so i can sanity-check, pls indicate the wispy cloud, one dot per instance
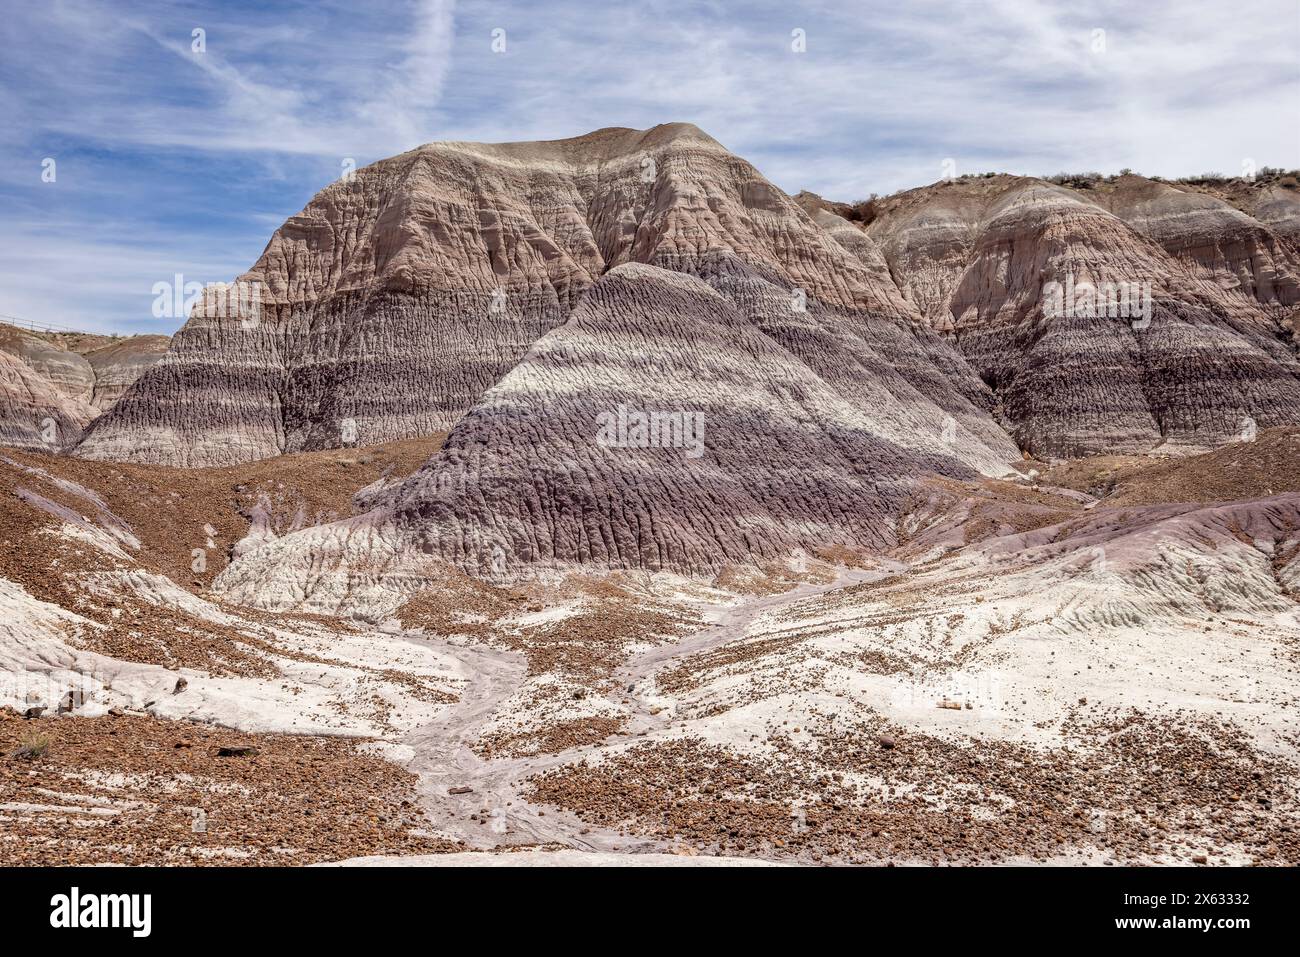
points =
(170, 157)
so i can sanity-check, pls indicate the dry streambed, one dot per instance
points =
(483, 801)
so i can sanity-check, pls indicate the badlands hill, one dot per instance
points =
(518, 295)
(1214, 353)
(397, 298)
(53, 384)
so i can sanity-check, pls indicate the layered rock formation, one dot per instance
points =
(1278, 208)
(397, 298)
(68, 377)
(65, 369)
(1219, 242)
(1272, 199)
(84, 367)
(515, 293)
(1099, 334)
(118, 362)
(34, 414)
(659, 428)
(927, 236)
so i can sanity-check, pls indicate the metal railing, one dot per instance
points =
(34, 326)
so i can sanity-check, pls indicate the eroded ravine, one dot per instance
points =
(493, 812)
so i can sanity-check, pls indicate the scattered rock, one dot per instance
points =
(236, 751)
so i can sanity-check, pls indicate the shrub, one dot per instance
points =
(34, 746)
(864, 211)
(1076, 180)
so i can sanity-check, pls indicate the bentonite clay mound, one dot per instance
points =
(659, 429)
(65, 369)
(1209, 359)
(1278, 208)
(117, 363)
(68, 379)
(743, 453)
(398, 297)
(34, 414)
(1220, 243)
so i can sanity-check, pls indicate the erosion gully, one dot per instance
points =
(445, 760)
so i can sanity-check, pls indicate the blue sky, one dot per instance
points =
(169, 160)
